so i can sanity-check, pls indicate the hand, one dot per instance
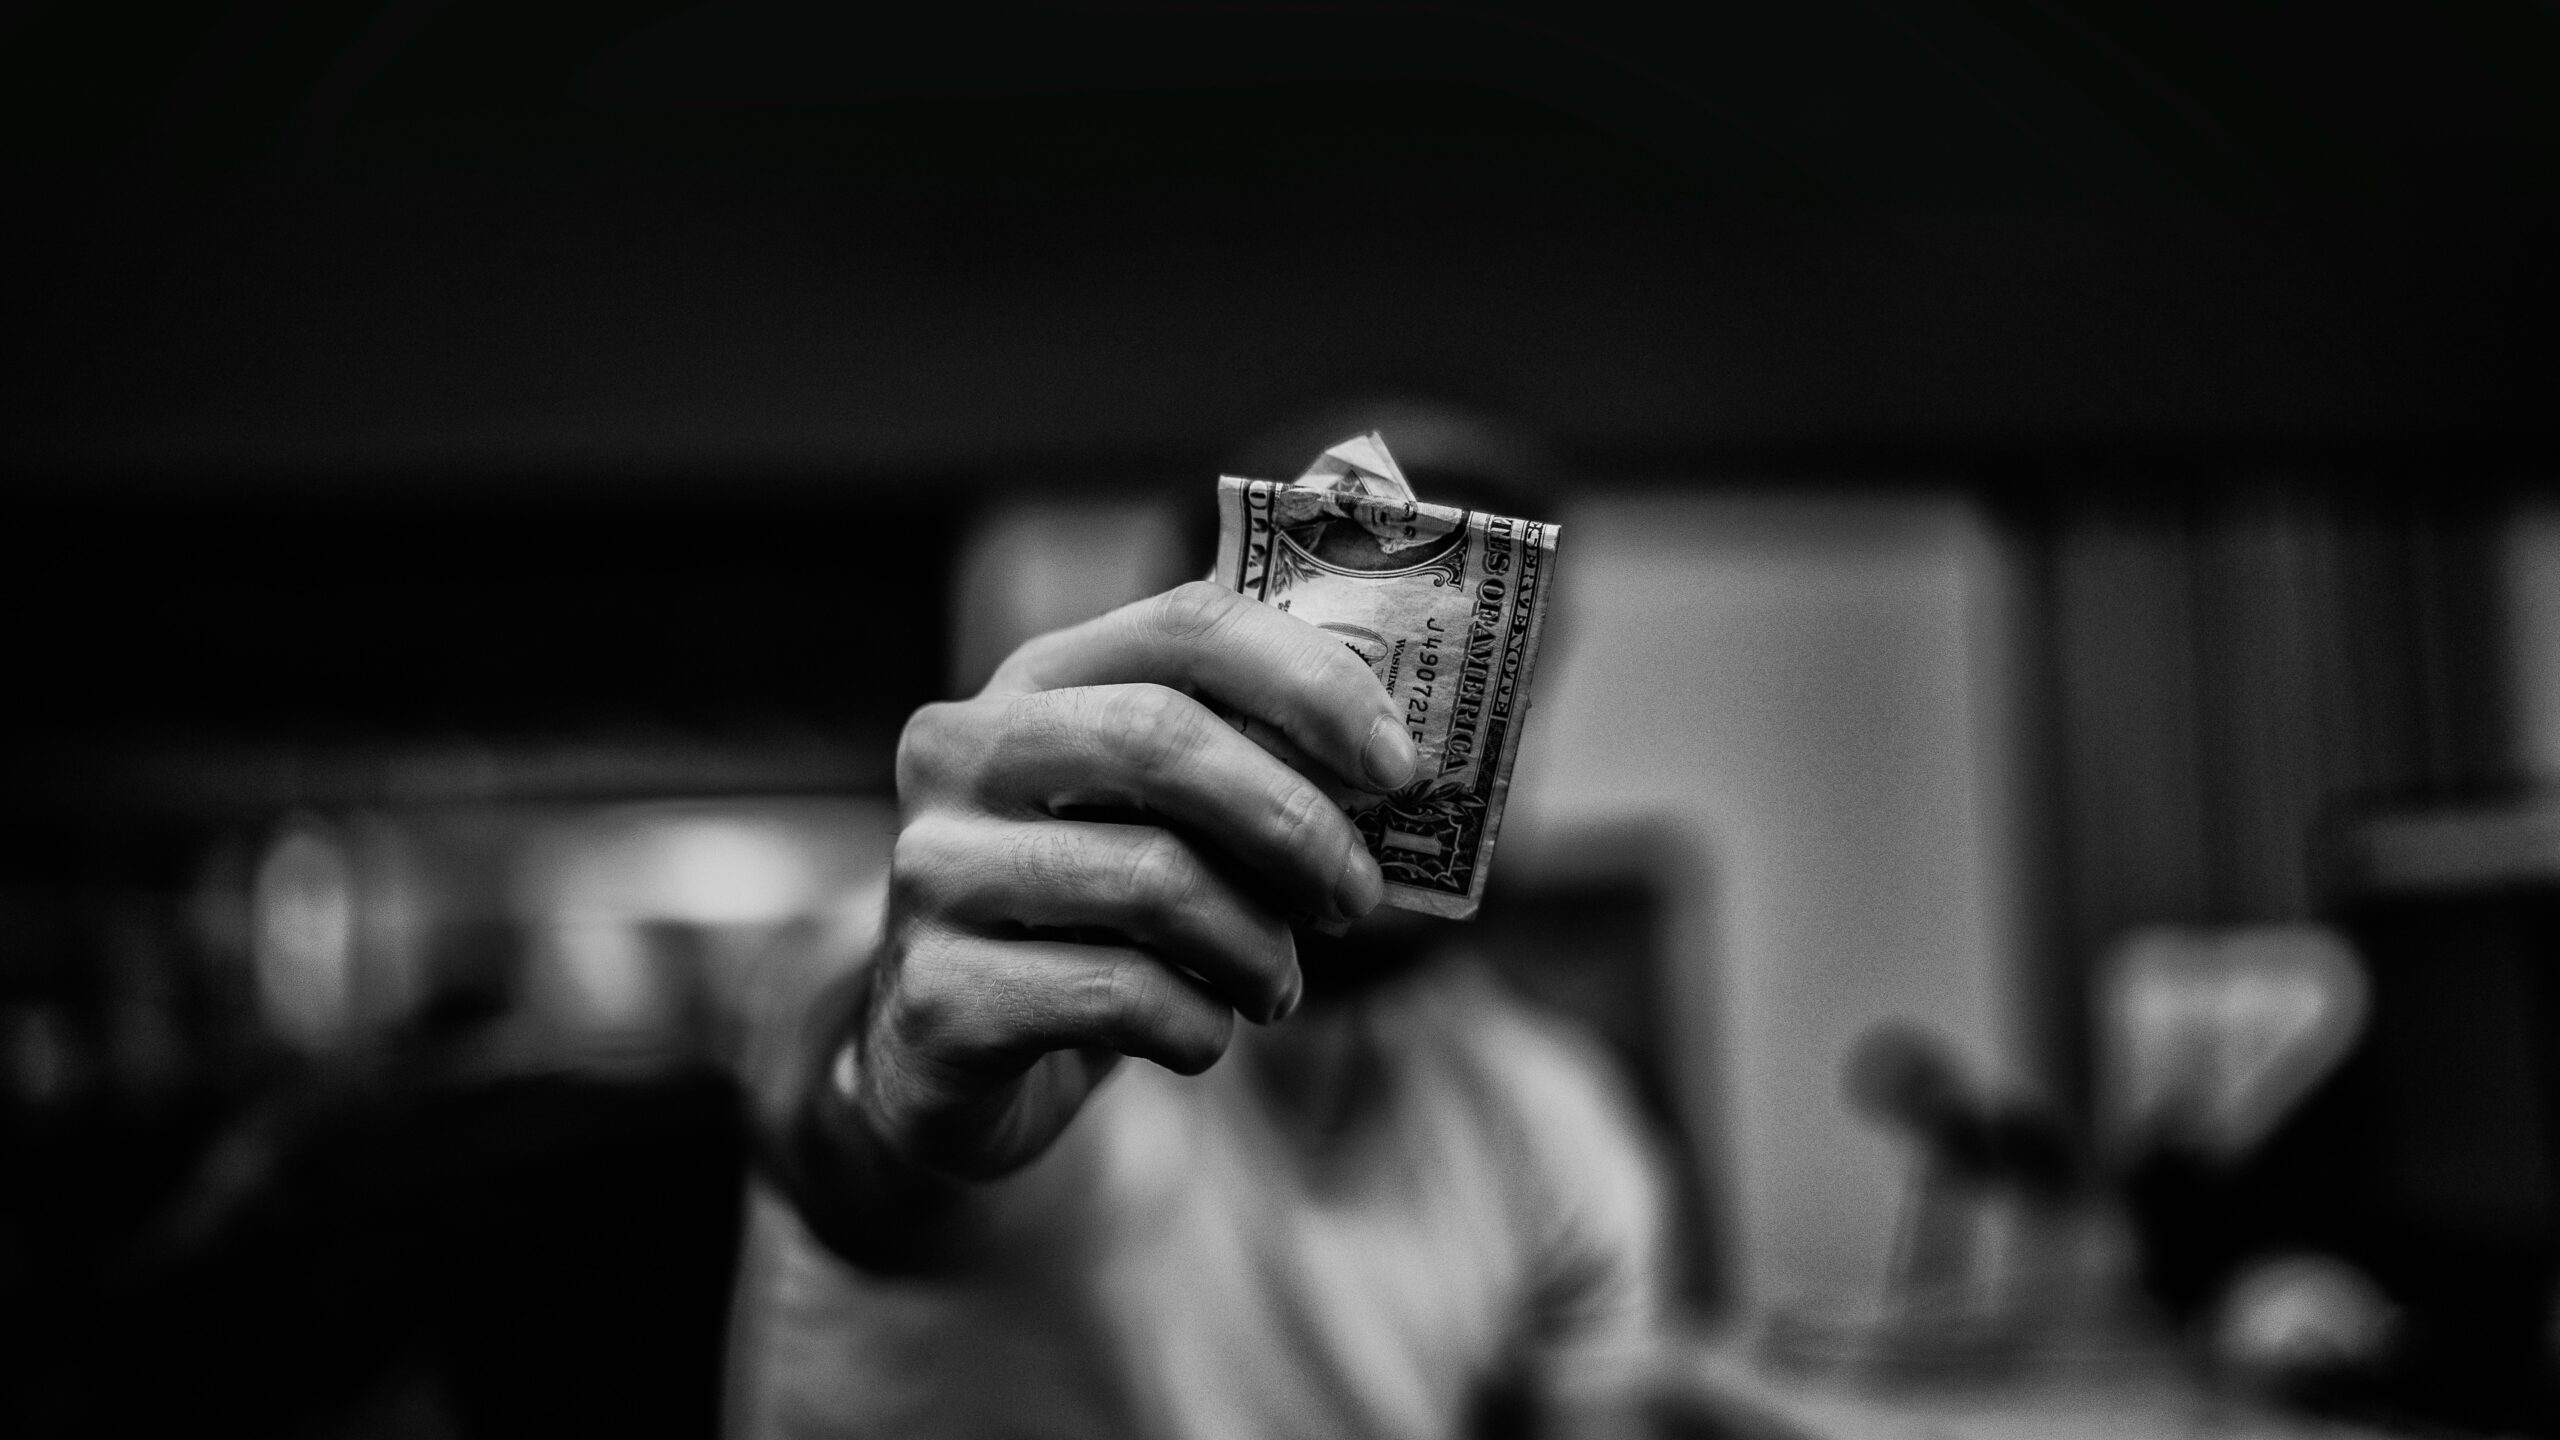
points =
(1092, 864)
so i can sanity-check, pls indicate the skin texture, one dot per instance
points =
(1093, 863)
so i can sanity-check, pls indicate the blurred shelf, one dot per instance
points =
(2125, 1396)
(217, 780)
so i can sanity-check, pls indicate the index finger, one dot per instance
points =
(1264, 662)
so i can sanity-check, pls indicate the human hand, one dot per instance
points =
(1092, 864)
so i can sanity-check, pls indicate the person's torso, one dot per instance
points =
(1179, 1266)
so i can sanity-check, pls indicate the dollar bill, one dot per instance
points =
(1445, 606)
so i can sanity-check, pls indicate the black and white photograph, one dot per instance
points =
(1280, 719)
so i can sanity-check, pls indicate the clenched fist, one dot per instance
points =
(1093, 863)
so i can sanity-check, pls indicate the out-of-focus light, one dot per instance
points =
(727, 864)
(606, 984)
(1037, 564)
(303, 936)
(2301, 1314)
(651, 923)
(41, 1057)
(726, 872)
(2212, 1037)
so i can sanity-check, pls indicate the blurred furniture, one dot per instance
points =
(2428, 1159)
(2132, 1398)
(532, 1256)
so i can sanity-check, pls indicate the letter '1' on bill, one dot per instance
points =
(1445, 606)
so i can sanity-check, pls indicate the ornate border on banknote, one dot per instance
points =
(1448, 613)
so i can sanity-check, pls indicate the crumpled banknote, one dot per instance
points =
(1445, 606)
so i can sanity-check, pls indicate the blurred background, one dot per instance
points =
(2061, 564)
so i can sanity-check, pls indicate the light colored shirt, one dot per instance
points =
(1179, 1266)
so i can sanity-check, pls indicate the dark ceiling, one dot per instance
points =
(1814, 102)
(476, 239)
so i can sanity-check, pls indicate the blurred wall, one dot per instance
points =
(1812, 690)
(1032, 565)
(2532, 586)
(686, 331)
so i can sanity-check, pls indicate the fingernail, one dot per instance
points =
(1389, 756)
(1288, 1005)
(1360, 887)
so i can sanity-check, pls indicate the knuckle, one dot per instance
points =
(1195, 610)
(1031, 863)
(1026, 719)
(1155, 726)
(1144, 1011)
(920, 860)
(932, 988)
(928, 747)
(917, 850)
(1303, 821)
(1160, 880)
(1125, 1008)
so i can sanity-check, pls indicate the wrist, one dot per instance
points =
(857, 1191)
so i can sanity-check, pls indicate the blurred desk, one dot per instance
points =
(2125, 1399)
